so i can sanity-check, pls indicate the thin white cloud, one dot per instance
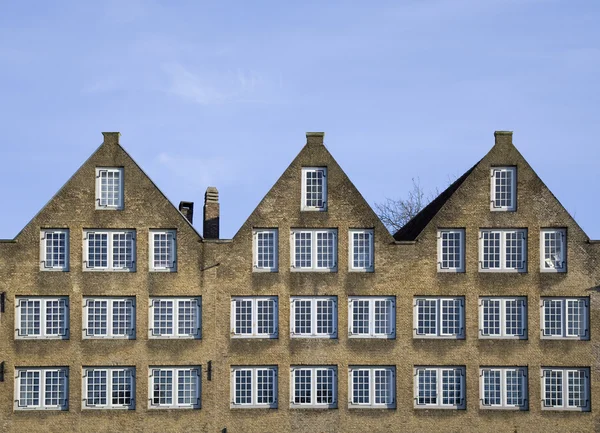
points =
(200, 172)
(192, 87)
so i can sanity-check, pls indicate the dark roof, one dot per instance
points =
(416, 224)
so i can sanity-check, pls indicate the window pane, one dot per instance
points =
(325, 386)
(97, 387)
(187, 317)
(491, 250)
(122, 317)
(265, 249)
(122, 250)
(427, 386)
(553, 317)
(503, 188)
(55, 317)
(451, 387)
(265, 316)
(121, 387)
(97, 313)
(303, 319)
(186, 387)
(97, 250)
(514, 388)
(426, 316)
(553, 388)
(360, 386)
(491, 317)
(514, 250)
(56, 249)
(492, 392)
(383, 316)
(451, 311)
(314, 188)
(514, 316)
(451, 250)
(303, 249)
(243, 387)
(55, 388)
(553, 249)
(576, 388)
(302, 386)
(384, 387)
(325, 316)
(325, 250)
(576, 317)
(29, 388)
(360, 316)
(163, 317)
(361, 250)
(162, 383)
(265, 386)
(30, 317)
(163, 250)
(243, 316)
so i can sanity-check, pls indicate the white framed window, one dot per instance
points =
(440, 387)
(109, 250)
(45, 388)
(254, 317)
(253, 387)
(313, 317)
(265, 251)
(360, 250)
(371, 317)
(372, 387)
(108, 388)
(439, 317)
(314, 188)
(504, 189)
(503, 250)
(314, 250)
(313, 387)
(565, 318)
(175, 318)
(174, 387)
(503, 388)
(553, 250)
(451, 250)
(503, 317)
(42, 317)
(109, 318)
(566, 388)
(54, 250)
(163, 250)
(109, 188)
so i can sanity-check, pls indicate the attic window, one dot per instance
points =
(109, 188)
(314, 188)
(504, 189)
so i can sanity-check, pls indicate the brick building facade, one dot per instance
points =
(480, 314)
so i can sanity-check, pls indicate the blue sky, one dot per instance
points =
(221, 93)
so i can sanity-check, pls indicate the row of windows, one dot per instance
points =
(441, 387)
(108, 250)
(317, 317)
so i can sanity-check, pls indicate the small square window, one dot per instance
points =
(504, 189)
(360, 250)
(314, 317)
(108, 388)
(174, 387)
(313, 387)
(436, 317)
(503, 318)
(175, 318)
(313, 250)
(265, 254)
(372, 317)
(54, 250)
(42, 388)
(109, 250)
(566, 389)
(439, 387)
(109, 188)
(553, 250)
(254, 317)
(565, 318)
(451, 250)
(314, 188)
(42, 318)
(372, 387)
(503, 388)
(109, 318)
(253, 387)
(503, 250)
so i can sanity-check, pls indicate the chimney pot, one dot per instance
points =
(503, 137)
(111, 137)
(315, 138)
(211, 213)
(187, 209)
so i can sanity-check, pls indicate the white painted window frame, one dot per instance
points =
(172, 239)
(43, 300)
(548, 265)
(303, 205)
(255, 235)
(43, 250)
(440, 246)
(109, 388)
(109, 250)
(564, 318)
(99, 171)
(313, 250)
(313, 387)
(254, 387)
(371, 252)
(522, 371)
(439, 334)
(439, 388)
(503, 300)
(565, 388)
(372, 333)
(254, 300)
(391, 370)
(197, 370)
(513, 206)
(175, 321)
(19, 371)
(109, 318)
(503, 267)
(313, 311)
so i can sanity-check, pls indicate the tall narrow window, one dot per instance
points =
(436, 317)
(265, 250)
(109, 188)
(42, 388)
(504, 189)
(371, 317)
(108, 388)
(503, 317)
(163, 250)
(314, 250)
(372, 387)
(553, 250)
(360, 250)
(254, 387)
(254, 317)
(566, 388)
(109, 250)
(503, 388)
(314, 188)
(503, 250)
(565, 318)
(313, 387)
(440, 387)
(42, 317)
(174, 387)
(54, 250)
(109, 318)
(451, 250)
(175, 318)
(314, 317)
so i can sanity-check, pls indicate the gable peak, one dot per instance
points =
(111, 138)
(315, 138)
(503, 138)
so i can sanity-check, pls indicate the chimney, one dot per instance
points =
(187, 209)
(503, 137)
(211, 213)
(315, 138)
(111, 138)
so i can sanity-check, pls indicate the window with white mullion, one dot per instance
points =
(360, 250)
(108, 388)
(503, 189)
(451, 250)
(254, 387)
(174, 387)
(54, 250)
(313, 317)
(163, 251)
(254, 317)
(109, 188)
(566, 388)
(265, 250)
(502, 317)
(109, 250)
(503, 250)
(565, 318)
(438, 317)
(41, 388)
(314, 188)
(313, 387)
(42, 317)
(372, 387)
(371, 317)
(314, 250)
(175, 318)
(553, 250)
(503, 388)
(439, 387)
(109, 318)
